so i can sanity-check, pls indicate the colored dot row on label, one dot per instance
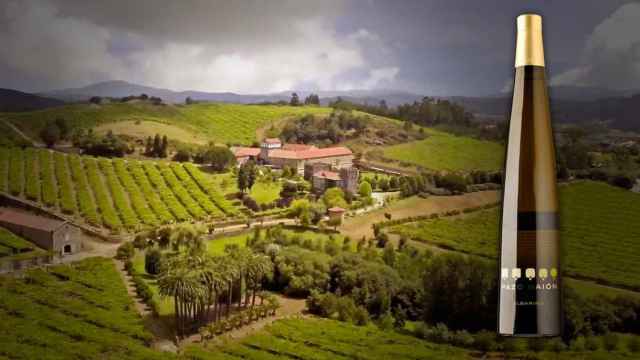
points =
(529, 273)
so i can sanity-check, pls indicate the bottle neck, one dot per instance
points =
(529, 48)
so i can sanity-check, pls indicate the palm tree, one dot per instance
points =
(259, 266)
(185, 286)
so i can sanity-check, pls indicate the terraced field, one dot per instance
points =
(116, 194)
(444, 151)
(80, 311)
(222, 123)
(599, 230)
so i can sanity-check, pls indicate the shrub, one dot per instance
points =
(125, 251)
(514, 345)
(361, 316)
(536, 344)
(578, 344)
(556, 345)
(591, 343)
(462, 338)
(152, 261)
(386, 322)
(611, 341)
(485, 341)
(634, 344)
(452, 182)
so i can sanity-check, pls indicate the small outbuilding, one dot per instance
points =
(336, 213)
(56, 235)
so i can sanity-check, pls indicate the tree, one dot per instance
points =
(335, 222)
(312, 99)
(301, 209)
(219, 158)
(365, 189)
(152, 261)
(164, 147)
(247, 175)
(334, 197)
(63, 126)
(50, 134)
(295, 101)
(182, 155)
(188, 100)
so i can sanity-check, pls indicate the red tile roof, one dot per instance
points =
(246, 151)
(26, 219)
(272, 141)
(297, 147)
(327, 175)
(313, 153)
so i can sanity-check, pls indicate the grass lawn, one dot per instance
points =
(216, 246)
(79, 311)
(599, 232)
(144, 129)
(444, 151)
(266, 192)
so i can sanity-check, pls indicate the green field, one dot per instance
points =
(265, 192)
(222, 123)
(71, 312)
(599, 232)
(116, 194)
(444, 151)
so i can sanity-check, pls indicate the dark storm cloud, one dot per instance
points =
(430, 47)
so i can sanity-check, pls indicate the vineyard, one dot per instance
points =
(222, 123)
(327, 339)
(14, 246)
(71, 312)
(116, 194)
(444, 151)
(599, 232)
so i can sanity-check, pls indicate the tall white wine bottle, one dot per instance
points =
(530, 297)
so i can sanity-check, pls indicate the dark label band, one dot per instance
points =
(532, 221)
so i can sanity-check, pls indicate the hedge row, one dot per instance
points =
(86, 203)
(411, 219)
(110, 218)
(16, 171)
(180, 192)
(32, 189)
(135, 195)
(210, 189)
(195, 191)
(65, 187)
(118, 195)
(4, 168)
(156, 204)
(179, 212)
(47, 179)
(142, 288)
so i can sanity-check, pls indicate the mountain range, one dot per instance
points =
(568, 103)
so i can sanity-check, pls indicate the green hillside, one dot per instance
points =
(222, 123)
(117, 194)
(444, 151)
(599, 230)
(71, 312)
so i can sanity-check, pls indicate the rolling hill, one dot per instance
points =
(222, 123)
(13, 100)
(599, 233)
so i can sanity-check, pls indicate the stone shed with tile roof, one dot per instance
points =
(56, 235)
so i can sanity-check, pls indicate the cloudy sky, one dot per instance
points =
(426, 47)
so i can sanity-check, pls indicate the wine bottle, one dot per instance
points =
(530, 296)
